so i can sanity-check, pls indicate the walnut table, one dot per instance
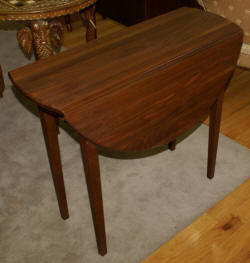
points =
(40, 27)
(132, 91)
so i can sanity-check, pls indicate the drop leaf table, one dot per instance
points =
(135, 90)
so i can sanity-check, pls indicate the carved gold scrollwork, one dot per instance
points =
(41, 38)
(24, 37)
(43, 34)
(56, 33)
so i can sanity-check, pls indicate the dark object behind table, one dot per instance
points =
(130, 12)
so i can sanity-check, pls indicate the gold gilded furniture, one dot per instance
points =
(40, 27)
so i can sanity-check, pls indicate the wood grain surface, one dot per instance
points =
(179, 62)
(235, 121)
(220, 235)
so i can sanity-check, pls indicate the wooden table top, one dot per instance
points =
(141, 87)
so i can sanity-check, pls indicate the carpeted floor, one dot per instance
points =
(147, 200)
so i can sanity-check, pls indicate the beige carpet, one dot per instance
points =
(147, 201)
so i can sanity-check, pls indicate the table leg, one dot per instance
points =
(50, 136)
(89, 15)
(93, 180)
(214, 130)
(2, 86)
(68, 23)
(41, 38)
(172, 145)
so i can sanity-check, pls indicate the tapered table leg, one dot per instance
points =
(50, 135)
(2, 86)
(93, 180)
(214, 129)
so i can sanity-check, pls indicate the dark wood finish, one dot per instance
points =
(139, 88)
(93, 180)
(2, 86)
(130, 12)
(172, 57)
(172, 145)
(214, 130)
(50, 136)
